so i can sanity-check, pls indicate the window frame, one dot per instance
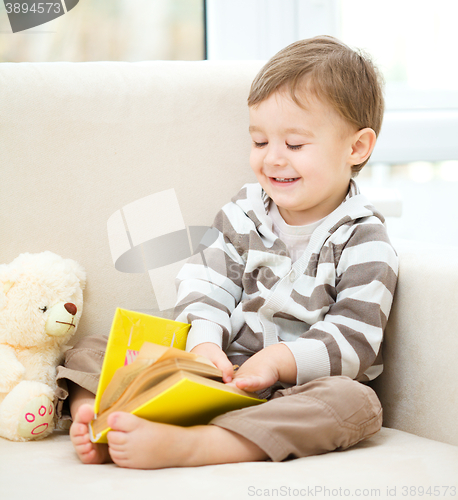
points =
(425, 129)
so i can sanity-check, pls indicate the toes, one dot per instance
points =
(89, 456)
(125, 422)
(117, 456)
(116, 439)
(85, 448)
(85, 414)
(80, 439)
(77, 430)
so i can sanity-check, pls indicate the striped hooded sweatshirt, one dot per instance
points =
(330, 306)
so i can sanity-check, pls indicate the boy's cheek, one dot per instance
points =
(255, 162)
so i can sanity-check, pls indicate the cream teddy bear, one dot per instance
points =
(41, 301)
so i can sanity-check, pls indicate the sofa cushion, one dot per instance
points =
(383, 465)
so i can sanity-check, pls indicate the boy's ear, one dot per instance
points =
(363, 145)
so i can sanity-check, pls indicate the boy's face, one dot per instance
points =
(301, 157)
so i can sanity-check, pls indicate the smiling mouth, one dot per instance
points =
(285, 180)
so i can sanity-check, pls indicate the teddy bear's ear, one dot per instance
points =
(80, 273)
(7, 286)
(8, 278)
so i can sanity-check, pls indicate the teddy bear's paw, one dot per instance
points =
(37, 418)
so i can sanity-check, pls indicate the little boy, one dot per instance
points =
(296, 289)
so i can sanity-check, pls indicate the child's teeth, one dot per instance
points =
(281, 179)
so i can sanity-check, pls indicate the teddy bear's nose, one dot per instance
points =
(71, 308)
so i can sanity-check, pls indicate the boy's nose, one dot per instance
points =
(274, 157)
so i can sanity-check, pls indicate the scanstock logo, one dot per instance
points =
(27, 14)
(150, 236)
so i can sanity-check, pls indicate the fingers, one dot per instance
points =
(222, 362)
(226, 367)
(249, 384)
(218, 357)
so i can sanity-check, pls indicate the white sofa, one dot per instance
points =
(81, 141)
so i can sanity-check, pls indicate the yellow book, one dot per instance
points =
(163, 384)
(129, 330)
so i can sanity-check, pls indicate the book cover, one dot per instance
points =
(129, 331)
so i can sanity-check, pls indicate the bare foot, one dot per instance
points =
(138, 443)
(88, 452)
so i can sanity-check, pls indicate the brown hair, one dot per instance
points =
(344, 78)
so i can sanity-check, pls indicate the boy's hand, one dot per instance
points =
(218, 357)
(255, 375)
(266, 367)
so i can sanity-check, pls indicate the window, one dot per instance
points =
(110, 30)
(414, 44)
(412, 41)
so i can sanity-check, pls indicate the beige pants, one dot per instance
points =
(326, 414)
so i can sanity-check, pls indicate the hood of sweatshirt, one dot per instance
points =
(255, 202)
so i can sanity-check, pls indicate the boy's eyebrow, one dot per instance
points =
(299, 131)
(293, 130)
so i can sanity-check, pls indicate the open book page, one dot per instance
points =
(153, 364)
(183, 398)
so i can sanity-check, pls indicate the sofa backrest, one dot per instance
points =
(418, 387)
(82, 143)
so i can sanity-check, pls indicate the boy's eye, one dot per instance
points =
(259, 144)
(294, 146)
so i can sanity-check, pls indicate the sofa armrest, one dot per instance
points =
(418, 387)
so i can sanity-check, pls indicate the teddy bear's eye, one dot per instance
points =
(44, 309)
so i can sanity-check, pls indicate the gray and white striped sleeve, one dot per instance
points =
(348, 340)
(209, 286)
